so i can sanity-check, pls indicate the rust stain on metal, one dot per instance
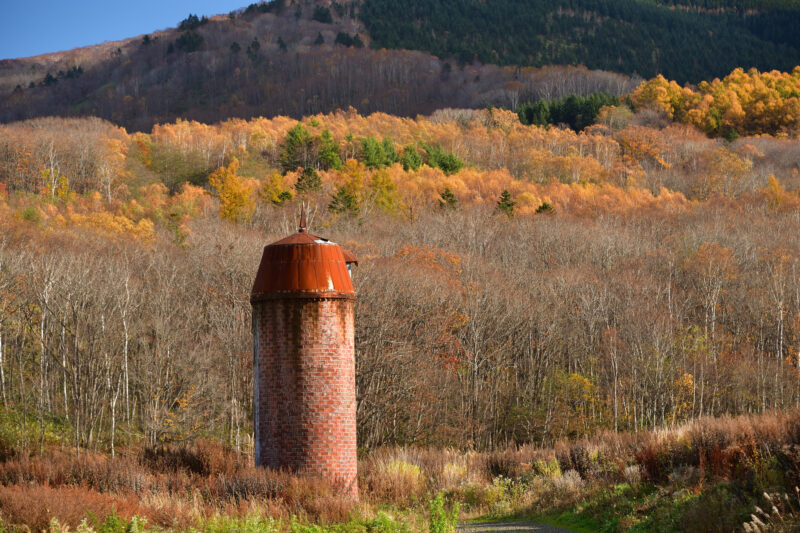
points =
(304, 266)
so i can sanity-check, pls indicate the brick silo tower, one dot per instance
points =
(304, 402)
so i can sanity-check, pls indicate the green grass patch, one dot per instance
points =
(651, 509)
(382, 523)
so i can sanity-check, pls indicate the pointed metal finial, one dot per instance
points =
(302, 218)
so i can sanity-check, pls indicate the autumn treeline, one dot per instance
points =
(639, 275)
(742, 103)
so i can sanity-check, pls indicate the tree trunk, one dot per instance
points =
(114, 415)
(2, 372)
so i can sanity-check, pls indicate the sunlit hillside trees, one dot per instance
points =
(741, 103)
(516, 283)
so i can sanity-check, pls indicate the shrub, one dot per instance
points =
(31, 214)
(502, 464)
(570, 482)
(718, 509)
(632, 474)
(384, 523)
(549, 469)
(36, 506)
(442, 521)
(393, 479)
(453, 474)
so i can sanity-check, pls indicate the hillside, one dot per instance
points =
(685, 40)
(267, 61)
(298, 58)
(505, 268)
(293, 58)
(517, 286)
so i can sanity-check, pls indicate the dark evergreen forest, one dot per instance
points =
(686, 40)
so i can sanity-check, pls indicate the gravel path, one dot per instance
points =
(508, 527)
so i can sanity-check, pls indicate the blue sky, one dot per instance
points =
(32, 27)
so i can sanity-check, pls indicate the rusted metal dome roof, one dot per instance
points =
(303, 266)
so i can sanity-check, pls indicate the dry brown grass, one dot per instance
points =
(35, 505)
(170, 486)
(180, 485)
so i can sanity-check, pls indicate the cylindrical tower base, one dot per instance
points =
(305, 404)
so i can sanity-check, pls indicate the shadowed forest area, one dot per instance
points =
(518, 286)
(685, 40)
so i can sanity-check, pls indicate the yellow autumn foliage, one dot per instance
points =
(742, 103)
(234, 193)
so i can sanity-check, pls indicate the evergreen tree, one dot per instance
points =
(411, 158)
(537, 113)
(371, 152)
(683, 44)
(189, 23)
(189, 41)
(344, 202)
(253, 48)
(447, 161)
(322, 14)
(319, 40)
(448, 200)
(296, 148)
(309, 180)
(389, 152)
(343, 39)
(328, 151)
(505, 204)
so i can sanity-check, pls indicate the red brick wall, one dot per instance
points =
(305, 390)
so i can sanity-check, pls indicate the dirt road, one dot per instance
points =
(508, 527)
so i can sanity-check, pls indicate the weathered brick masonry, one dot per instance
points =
(304, 360)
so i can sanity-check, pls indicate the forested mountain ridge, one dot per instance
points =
(685, 40)
(268, 59)
(304, 57)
